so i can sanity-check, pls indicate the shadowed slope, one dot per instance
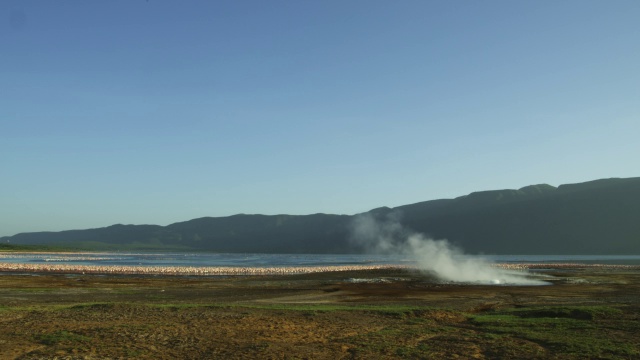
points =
(596, 217)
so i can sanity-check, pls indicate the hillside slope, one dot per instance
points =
(596, 217)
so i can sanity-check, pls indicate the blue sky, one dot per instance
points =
(152, 112)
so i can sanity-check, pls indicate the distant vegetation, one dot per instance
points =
(596, 217)
(30, 248)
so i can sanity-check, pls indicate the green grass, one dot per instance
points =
(61, 337)
(33, 290)
(571, 312)
(412, 341)
(56, 307)
(386, 309)
(576, 332)
(91, 306)
(414, 332)
(580, 331)
(411, 313)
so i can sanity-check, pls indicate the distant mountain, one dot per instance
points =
(596, 217)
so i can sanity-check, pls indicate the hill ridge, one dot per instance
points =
(599, 216)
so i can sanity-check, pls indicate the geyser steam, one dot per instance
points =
(437, 257)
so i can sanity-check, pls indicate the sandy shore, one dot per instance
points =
(253, 271)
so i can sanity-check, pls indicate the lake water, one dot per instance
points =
(280, 260)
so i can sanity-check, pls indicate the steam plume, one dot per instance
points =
(437, 257)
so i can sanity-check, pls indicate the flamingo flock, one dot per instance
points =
(256, 271)
(184, 270)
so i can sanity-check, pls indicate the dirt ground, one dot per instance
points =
(387, 314)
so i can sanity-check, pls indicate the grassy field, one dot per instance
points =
(383, 315)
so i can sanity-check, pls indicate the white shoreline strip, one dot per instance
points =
(254, 271)
(184, 270)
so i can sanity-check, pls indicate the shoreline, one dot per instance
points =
(186, 270)
(263, 271)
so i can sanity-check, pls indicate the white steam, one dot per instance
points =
(437, 257)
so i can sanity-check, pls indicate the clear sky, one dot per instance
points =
(153, 112)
